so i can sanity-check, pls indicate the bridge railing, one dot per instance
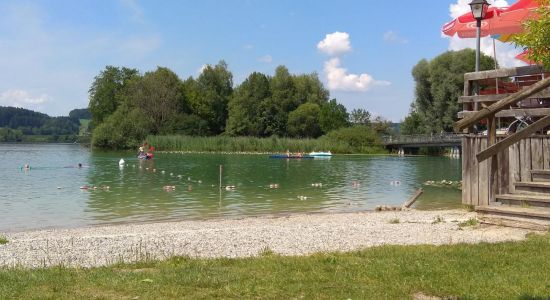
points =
(421, 138)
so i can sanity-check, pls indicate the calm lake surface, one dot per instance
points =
(50, 194)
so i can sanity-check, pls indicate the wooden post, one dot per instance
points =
(493, 169)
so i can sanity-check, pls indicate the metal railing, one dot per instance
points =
(436, 138)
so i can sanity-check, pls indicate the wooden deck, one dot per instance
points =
(507, 177)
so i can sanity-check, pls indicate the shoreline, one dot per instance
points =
(296, 234)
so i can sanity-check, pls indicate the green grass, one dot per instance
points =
(394, 221)
(3, 240)
(255, 145)
(469, 222)
(84, 124)
(512, 270)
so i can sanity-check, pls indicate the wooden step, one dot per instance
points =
(523, 200)
(519, 217)
(540, 175)
(533, 187)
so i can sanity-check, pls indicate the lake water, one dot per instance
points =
(50, 195)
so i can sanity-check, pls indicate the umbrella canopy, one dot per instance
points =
(524, 57)
(498, 21)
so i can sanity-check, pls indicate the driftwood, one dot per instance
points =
(412, 199)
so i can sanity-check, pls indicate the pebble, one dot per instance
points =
(299, 234)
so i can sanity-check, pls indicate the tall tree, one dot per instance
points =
(214, 87)
(105, 91)
(439, 84)
(245, 106)
(159, 95)
(360, 116)
(333, 116)
(304, 121)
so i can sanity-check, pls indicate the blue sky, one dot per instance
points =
(363, 51)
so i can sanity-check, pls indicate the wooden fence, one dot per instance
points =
(515, 165)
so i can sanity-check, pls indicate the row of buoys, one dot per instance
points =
(395, 182)
(86, 187)
(318, 184)
(455, 153)
(273, 185)
(302, 198)
(169, 188)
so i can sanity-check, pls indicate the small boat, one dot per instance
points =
(290, 156)
(320, 154)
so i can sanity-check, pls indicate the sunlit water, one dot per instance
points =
(50, 194)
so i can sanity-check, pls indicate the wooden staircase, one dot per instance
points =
(527, 207)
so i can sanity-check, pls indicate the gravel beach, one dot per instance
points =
(287, 235)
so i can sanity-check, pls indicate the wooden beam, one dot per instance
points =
(500, 105)
(497, 97)
(519, 71)
(520, 112)
(412, 199)
(514, 138)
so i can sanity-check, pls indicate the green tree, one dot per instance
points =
(536, 37)
(245, 106)
(124, 129)
(160, 96)
(360, 116)
(412, 124)
(214, 87)
(307, 88)
(439, 84)
(333, 116)
(304, 121)
(105, 94)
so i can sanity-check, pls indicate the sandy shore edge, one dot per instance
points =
(299, 234)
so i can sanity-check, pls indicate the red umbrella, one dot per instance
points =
(524, 57)
(498, 20)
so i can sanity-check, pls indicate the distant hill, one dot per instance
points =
(16, 123)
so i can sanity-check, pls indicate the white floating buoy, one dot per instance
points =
(121, 162)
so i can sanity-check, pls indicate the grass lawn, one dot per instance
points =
(513, 270)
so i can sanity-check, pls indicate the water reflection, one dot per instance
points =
(50, 195)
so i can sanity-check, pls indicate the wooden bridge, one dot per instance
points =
(423, 140)
(507, 177)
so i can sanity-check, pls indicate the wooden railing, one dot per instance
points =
(488, 112)
(436, 138)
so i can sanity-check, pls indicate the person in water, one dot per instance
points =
(141, 153)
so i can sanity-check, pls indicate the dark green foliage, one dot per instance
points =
(360, 117)
(304, 121)
(357, 139)
(439, 84)
(245, 106)
(22, 121)
(82, 113)
(107, 91)
(333, 116)
(160, 103)
(124, 129)
(10, 135)
(209, 95)
(411, 123)
(159, 95)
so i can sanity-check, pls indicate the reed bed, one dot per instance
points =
(255, 145)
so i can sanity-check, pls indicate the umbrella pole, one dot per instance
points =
(496, 63)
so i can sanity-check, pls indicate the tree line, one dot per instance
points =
(16, 123)
(126, 106)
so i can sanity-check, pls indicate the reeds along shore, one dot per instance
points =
(256, 145)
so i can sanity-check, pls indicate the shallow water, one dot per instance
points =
(50, 194)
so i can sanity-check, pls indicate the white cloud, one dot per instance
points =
(393, 37)
(339, 78)
(335, 43)
(266, 58)
(505, 52)
(248, 47)
(22, 98)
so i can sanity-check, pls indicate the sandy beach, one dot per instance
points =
(286, 235)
